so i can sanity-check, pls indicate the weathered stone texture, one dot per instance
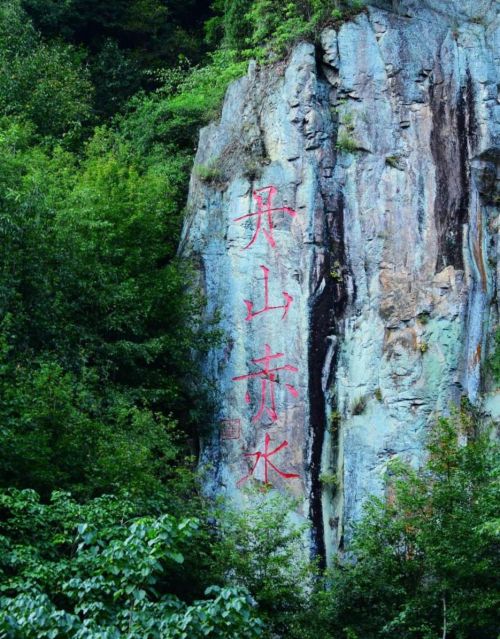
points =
(391, 258)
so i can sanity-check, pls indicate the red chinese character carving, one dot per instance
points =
(230, 428)
(265, 456)
(268, 379)
(288, 300)
(264, 198)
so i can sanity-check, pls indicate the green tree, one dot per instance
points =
(494, 360)
(46, 84)
(95, 319)
(230, 24)
(96, 326)
(426, 560)
(98, 570)
(124, 42)
(263, 549)
(268, 29)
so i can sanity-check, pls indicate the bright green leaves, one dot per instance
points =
(426, 556)
(96, 324)
(263, 549)
(43, 83)
(268, 29)
(112, 576)
(494, 360)
(227, 615)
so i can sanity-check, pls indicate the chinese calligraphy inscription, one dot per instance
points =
(269, 377)
(264, 214)
(267, 462)
(271, 365)
(267, 307)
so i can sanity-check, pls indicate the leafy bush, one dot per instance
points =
(210, 173)
(494, 360)
(175, 112)
(263, 550)
(97, 571)
(96, 330)
(57, 431)
(426, 558)
(268, 29)
(44, 83)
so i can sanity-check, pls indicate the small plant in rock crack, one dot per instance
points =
(359, 404)
(346, 143)
(336, 271)
(478, 19)
(493, 361)
(345, 140)
(423, 347)
(252, 170)
(335, 418)
(423, 318)
(348, 120)
(329, 480)
(210, 173)
(394, 161)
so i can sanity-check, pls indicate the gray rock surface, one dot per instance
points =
(382, 147)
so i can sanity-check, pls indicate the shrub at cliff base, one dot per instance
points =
(426, 560)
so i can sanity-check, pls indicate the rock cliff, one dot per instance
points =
(343, 216)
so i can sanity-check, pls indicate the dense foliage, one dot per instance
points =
(103, 530)
(266, 29)
(494, 360)
(427, 557)
(100, 572)
(262, 550)
(124, 43)
(93, 345)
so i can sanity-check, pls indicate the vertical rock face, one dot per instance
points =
(342, 213)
